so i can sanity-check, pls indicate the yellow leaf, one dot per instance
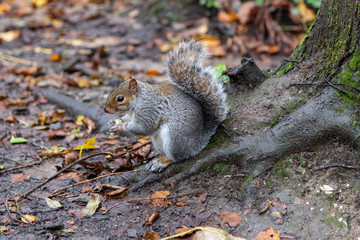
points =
(28, 219)
(39, 3)
(307, 14)
(79, 120)
(83, 83)
(88, 144)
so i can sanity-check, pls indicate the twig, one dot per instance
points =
(332, 85)
(145, 199)
(17, 60)
(20, 167)
(9, 213)
(89, 180)
(336, 165)
(61, 171)
(315, 84)
(133, 149)
(18, 211)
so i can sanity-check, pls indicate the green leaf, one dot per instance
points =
(40, 127)
(75, 131)
(53, 203)
(55, 149)
(2, 166)
(15, 140)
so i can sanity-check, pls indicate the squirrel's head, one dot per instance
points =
(120, 99)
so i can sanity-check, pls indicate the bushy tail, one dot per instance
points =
(186, 70)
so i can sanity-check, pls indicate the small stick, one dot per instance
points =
(17, 60)
(145, 199)
(9, 213)
(336, 165)
(18, 211)
(89, 180)
(332, 85)
(133, 149)
(20, 167)
(61, 171)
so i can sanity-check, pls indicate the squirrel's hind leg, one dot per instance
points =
(159, 164)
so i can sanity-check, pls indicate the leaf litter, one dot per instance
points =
(78, 61)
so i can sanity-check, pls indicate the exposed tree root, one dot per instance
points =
(322, 118)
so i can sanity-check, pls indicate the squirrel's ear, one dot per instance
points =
(133, 86)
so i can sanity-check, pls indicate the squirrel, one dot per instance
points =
(180, 115)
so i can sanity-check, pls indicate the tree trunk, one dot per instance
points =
(318, 86)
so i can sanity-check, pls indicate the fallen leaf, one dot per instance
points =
(150, 220)
(267, 234)
(10, 118)
(227, 17)
(92, 205)
(117, 192)
(79, 119)
(152, 73)
(181, 204)
(206, 233)
(110, 142)
(55, 58)
(89, 124)
(54, 150)
(4, 229)
(10, 35)
(53, 203)
(151, 235)
(69, 158)
(28, 218)
(247, 12)
(307, 14)
(20, 177)
(233, 219)
(39, 3)
(16, 140)
(158, 201)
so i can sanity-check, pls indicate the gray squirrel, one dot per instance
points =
(180, 115)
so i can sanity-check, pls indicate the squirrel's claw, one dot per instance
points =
(158, 165)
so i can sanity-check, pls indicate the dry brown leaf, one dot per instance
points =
(20, 177)
(110, 142)
(157, 201)
(152, 72)
(55, 58)
(25, 71)
(227, 16)
(267, 234)
(10, 118)
(181, 204)
(233, 219)
(58, 116)
(307, 14)
(90, 124)
(151, 235)
(150, 220)
(69, 158)
(247, 12)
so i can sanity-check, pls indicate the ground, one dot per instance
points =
(320, 203)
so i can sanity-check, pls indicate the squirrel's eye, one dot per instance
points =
(120, 99)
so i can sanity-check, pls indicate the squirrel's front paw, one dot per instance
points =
(115, 125)
(158, 165)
